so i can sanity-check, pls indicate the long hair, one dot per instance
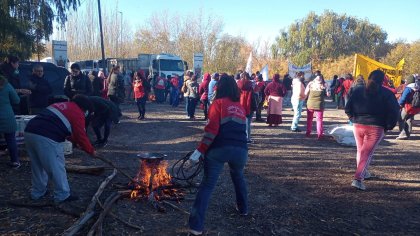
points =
(113, 71)
(375, 80)
(227, 87)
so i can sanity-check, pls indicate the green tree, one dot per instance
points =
(410, 52)
(26, 24)
(329, 35)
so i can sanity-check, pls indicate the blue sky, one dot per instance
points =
(254, 19)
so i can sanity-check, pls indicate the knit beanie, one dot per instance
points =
(409, 79)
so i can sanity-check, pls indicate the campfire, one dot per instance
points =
(153, 182)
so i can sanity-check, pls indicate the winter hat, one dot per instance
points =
(409, 79)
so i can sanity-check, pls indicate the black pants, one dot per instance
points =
(116, 100)
(259, 111)
(405, 123)
(191, 105)
(141, 105)
(98, 123)
(205, 103)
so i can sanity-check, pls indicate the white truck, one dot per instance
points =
(163, 64)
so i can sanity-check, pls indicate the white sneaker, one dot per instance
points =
(358, 184)
(195, 232)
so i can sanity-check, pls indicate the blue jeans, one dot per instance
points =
(174, 97)
(248, 126)
(186, 105)
(47, 161)
(297, 110)
(12, 146)
(214, 161)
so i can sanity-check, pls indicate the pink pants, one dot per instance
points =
(367, 140)
(319, 118)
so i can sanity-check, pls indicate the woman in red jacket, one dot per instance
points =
(224, 141)
(141, 90)
(246, 89)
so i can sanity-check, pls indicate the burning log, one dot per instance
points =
(90, 210)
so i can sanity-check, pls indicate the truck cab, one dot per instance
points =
(166, 64)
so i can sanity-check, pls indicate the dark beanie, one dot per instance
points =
(409, 79)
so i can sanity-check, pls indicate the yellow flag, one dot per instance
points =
(363, 65)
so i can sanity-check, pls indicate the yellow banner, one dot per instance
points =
(364, 65)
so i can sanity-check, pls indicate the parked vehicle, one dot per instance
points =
(54, 74)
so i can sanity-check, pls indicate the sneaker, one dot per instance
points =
(368, 175)
(102, 144)
(195, 232)
(97, 142)
(242, 214)
(70, 199)
(15, 165)
(297, 130)
(250, 141)
(402, 137)
(358, 184)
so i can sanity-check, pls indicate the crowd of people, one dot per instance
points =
(229, 103)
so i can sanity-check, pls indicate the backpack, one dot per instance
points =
(415, 103)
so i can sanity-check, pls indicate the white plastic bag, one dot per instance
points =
(343, 134)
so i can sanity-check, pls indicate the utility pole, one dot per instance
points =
(121, 42)
(102, 37)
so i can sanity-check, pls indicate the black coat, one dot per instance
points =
(77, 85)
(379, 110)
(41, 91)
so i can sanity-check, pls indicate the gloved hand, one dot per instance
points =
(195, 157)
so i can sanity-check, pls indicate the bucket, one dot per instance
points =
(68, 147)
(21, 122)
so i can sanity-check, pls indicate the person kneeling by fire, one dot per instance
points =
(44, 136)
(104, 113)
(224, 140)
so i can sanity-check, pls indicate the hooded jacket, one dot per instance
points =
(407, 97)
(204, 87)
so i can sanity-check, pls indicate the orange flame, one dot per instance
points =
(151, 175)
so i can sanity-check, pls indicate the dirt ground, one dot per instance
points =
(297, 185)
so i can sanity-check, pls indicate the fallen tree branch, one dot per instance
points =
(90, 210)
(97, 227)
(91, 170)
(176, 207)
(118, 218)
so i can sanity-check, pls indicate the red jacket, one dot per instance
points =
(245, 87)
(76, 118)
(139, 90)
(160, 83)
(347, 86)
(226, 125)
